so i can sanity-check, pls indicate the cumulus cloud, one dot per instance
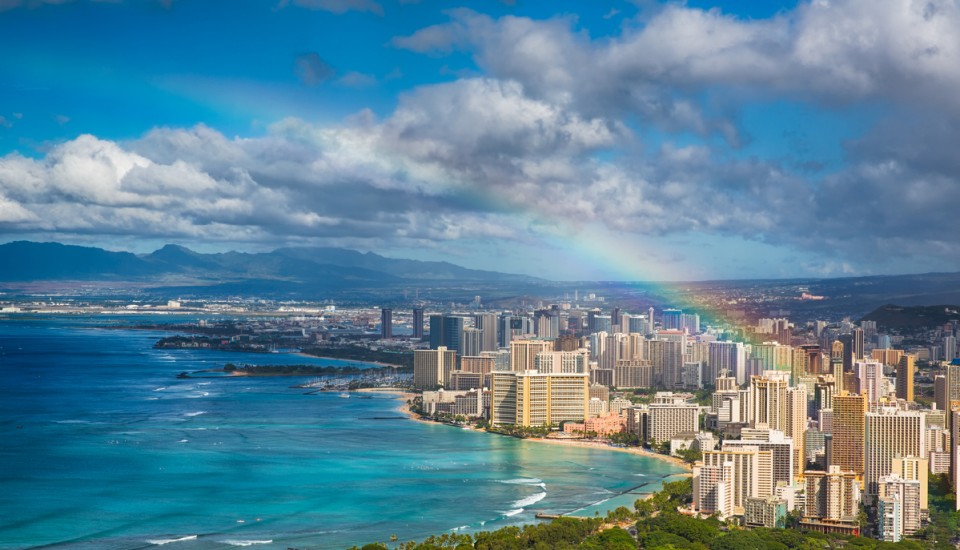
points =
(472, 159)
(550, 139)
(832, 51)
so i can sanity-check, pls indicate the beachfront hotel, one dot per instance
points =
(533, 398)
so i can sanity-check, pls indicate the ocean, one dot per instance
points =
(104, 448)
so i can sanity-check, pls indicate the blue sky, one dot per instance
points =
(628, 140)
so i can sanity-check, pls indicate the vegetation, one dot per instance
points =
(659, 526)
(522, 431)
(361, 353)
(690, 455)
(305, 370)
(944, 529)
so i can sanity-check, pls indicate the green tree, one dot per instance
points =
(610, 539)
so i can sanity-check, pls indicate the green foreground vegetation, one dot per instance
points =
(656, 524)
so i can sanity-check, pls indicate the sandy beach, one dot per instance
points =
(640, 451)
(404, 396)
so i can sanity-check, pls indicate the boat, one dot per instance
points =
(344, 395)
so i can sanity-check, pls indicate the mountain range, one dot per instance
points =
(25, 261)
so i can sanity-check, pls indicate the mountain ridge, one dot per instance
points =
(28, 261)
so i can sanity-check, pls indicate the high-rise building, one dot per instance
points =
(832, 495)
(603, 323)
(887, 356)
(471, 341)
(562, 362)
(952, 388)
(479, 364)
(768, 402)
(636, 324)
(523, 353)
(770, 512)
(431, 368)
(914, 468)
(797, 426)
(669, 418)
(532, 398)
(728, 356)
(889, 433)
(890, 518)
(635, 373)
(672, 319)
(752, 472)
(513, 326)
(666, 356)
(870, 377)
(592, 320)
(418, 323)
(773, 356)
(949, 348)
(848, 419)
(386, 323)
(906, 493)
(906, 370)
(848, 351)
(713, 489)
(690, 323)
(546, 323)
(769, 440)
(446, 331)
(858, 344)
(487, 322)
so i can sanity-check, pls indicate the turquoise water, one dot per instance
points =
(104, 448)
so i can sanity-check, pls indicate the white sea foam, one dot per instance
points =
(522, 481)
(240, 542)
(513, 512)
(532, 499)
(461, 528)
(161, 542)
(183, 441)
(161, 388)
(197, 413)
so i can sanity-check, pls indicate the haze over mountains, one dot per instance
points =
(321, 273)
(25, 261)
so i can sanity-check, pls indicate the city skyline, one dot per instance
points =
(649, 141)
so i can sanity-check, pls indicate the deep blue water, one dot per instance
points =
(102, 447)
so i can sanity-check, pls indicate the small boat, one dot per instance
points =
(344, 395)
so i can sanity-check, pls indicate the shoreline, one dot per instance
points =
(404, 408)
(377, 363)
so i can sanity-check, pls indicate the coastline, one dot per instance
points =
(404, 396)
(639, 451)
(377, 363)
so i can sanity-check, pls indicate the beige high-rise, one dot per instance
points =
(523, 353)
(752, 472)
(532, 398)
(431, 367)
(890, 433)
(848, 418)
(906, 369)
